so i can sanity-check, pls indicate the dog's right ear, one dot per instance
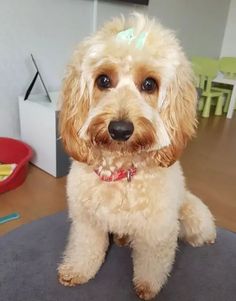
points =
(74, 110)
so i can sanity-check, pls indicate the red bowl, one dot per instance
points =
(14, 151)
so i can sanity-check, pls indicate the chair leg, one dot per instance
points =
(219, 106)
(207, 107)
(226, 105)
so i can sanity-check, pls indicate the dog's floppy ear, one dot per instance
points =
(179, 114)
(74, 110)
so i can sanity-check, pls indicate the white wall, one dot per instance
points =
(199, 24)
(229, 41)
(108, 9)
(47, 28)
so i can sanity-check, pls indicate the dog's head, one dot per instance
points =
(129, 88)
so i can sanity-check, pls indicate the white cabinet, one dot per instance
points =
(39, 123)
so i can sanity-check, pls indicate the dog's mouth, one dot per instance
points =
(122, 135)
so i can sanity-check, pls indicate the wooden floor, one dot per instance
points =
(209, 163)
(40, 195)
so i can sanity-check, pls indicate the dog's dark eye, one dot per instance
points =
(149, 85)
(103, 82)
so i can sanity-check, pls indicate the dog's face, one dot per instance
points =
(126, 97)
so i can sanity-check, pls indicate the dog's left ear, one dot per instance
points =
(74, 110)
(179, 114)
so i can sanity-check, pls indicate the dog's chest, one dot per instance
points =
(120, 205)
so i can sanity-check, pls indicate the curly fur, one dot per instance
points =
(154, 209)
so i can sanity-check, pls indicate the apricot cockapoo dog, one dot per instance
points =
(128, 109)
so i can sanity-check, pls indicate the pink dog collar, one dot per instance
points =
(117, 175)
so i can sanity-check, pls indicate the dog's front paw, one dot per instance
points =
(197, 236)
(68, 277)
(144, 291)
(197, 225)
(200, 239)
(121, 241)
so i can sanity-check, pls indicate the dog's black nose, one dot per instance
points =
(120, 130)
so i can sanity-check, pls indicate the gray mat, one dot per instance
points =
(30, 254)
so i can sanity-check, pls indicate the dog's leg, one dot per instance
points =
(152, 264)
(84, 253)
(196, 222)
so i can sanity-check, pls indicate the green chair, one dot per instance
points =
(227, 91)
(206, 69)
(227, 66)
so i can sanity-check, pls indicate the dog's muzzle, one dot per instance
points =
(120, 130)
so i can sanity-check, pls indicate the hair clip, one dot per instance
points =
(128, 36)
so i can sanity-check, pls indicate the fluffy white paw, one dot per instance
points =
(197, 225)
(68, 277)
(144, 291)
(121, 241)
(198, 240)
